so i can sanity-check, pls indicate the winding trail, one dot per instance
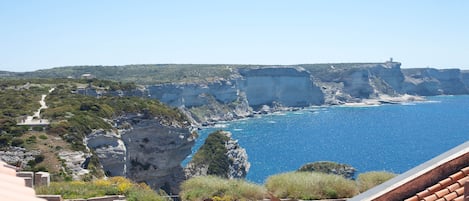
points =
(36, 119)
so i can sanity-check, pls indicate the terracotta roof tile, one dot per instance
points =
(435, 188)
(463, 180)
(424, 193)
(457, 176)
(448, 189)
(460, 191)
(432, 197)
(446, 182)
(442, 193)
(465, 170)
(413, 198)
(454, 186)
(460, 198)
(443, 178)
(451, 196)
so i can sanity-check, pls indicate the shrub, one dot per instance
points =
(31, 139)
(101, 187)
(38, 128)
(17, 142)
(4, 140)
(328, 167)
(369, 180)
(43, 137)
(213, 154)
(310, 186)
(216, 188)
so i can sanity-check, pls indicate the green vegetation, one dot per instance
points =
(329, 167)
(213, 154)
(293, 185)
(166, 73)
(141, 74)
(369, 180)
(311, 186)
(101, 187)
(72, 116)
(216, 188)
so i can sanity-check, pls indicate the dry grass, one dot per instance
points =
(211, 187)
(49, 148)
(101, 187)
(369, 180)
(310, 186)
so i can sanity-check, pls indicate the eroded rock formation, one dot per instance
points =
(144, 149)
(221, 156)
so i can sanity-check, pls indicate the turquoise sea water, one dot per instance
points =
(394, 138)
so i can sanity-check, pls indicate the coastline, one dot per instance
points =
(266, 110)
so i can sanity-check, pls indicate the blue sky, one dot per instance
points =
(45, 34)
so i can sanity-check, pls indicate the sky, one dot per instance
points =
(418, 33)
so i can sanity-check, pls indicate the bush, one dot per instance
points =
(101, 187)
(213, 154)
(216, 188)
(43, 137)
(38, 128)
(369, 180)
(4, 140)
(16, 142)
(310, 186)
(328, 167)
(31, 139)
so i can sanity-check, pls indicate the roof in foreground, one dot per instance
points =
(442, 178)
(13, 188)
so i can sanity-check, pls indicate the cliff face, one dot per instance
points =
(247, 88)
(250, 89)
(291, 87)
(144, 150)
(465, 78)
(353, 84)
(110, 149)
(430, 82)
(193, 94)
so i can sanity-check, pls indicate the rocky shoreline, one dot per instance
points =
(266, 110)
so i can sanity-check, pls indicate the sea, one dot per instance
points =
(394, 138)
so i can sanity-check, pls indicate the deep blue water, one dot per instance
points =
(394, 138)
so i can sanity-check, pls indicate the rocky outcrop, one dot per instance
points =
(155, 152)
(110, 150)
(328, 167)
(239, 165)
(221, 156)
(430, 82)
(75, 162)
(18, 156)
(144, 149)
(349, 84)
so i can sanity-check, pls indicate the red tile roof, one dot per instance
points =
(443, 178)
(448, 189)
